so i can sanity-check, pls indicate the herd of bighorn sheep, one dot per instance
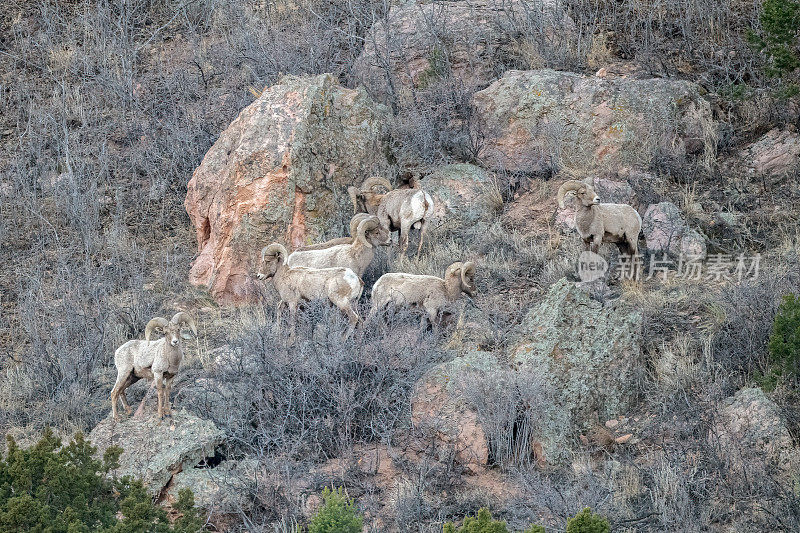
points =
(333, 271)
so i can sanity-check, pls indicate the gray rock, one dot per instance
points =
(463, 194)
(666, 231)
(544, 119)
(750, 423)
(225, 488)
(588, 350)
(153, 450)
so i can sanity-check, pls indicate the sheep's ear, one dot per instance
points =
(186, 335)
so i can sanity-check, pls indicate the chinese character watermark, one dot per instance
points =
(715, 267)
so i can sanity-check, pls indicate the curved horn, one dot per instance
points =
(157, 322)
(353, 193)
(571, 185)
(363, 227)
(185, 318)
(275, 249)
(375, 181)
(356, 220)
(468, 269)
(453, 269)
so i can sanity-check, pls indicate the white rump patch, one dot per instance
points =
(352, 280)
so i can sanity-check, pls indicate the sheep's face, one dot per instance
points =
(173, 334)
(268, 267)
(378, 236)
(587, 196)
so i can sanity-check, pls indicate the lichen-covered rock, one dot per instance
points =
(750, 423)
(666, 231)
(462, 193)
(280, 172)
(590, 352)
(226, 488)
(539, 119)
(775, 155)
(419, 42)
(155, 450)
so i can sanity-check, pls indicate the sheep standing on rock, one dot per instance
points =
(299, 284)
(356, 256)
(430, 293)
(157, 360)
(397, 209)
(598, 223)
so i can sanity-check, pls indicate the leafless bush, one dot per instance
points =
(740, 344)
(317, 399)
(511, 408)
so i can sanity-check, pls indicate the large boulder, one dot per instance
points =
(416, 43)
(280, 172)
(228, 487)
(588, 350)
(775, 155)
(439, 406)
(155, 450)
(538, 120)
(666, 232)
(463, 194)
(750, 425)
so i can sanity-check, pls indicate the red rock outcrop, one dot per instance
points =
(280, 172)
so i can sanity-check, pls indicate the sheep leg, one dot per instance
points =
(292, 321)
(167, 392)
(405, 229)
(422, 228)
(159, 379)
(347, 309)
(122, 382)
(277, 326)
(140, 409)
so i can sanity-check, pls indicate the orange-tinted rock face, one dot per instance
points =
(279, 173)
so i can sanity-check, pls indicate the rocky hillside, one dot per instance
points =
(150, 150)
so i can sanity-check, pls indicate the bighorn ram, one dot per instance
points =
(157, 360)
(598, 223)
(357, 218)
(430, 293)
(302, 284)
(356, 256)
(397, 209)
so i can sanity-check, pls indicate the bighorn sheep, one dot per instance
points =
(430, 293)
(397, 209)
(302, 284)
(356, 256)
(598, 223)
(358, 217)
(157, 360)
